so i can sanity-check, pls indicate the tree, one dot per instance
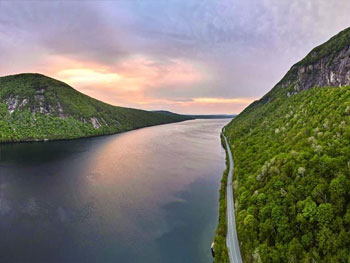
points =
(324, 214)
(338, 187)
(295, 250)
(325, 240)
(309, 210)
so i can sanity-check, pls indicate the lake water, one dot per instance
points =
(149, 195)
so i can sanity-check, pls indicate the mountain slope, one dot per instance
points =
(36, 107)
(326, 65)
(198, 116)
(292, 163)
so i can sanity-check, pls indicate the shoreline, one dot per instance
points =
(88, 136)
(220, 247)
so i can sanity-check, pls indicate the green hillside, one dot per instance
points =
(292, 163)
(36, 107)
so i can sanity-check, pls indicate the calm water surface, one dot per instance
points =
(149, 195)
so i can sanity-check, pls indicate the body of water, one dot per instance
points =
(149, 195)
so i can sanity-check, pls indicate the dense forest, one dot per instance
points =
(36, 107)
(292, 163)
(292, 166)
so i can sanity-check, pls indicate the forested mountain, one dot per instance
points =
(199, 116)
(292, 163)
(36, 107)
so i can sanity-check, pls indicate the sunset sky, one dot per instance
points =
(187, 56)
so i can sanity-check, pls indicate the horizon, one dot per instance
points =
(38, 73)
(175, 131)
(191, 58)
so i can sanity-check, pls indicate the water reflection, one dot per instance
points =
(140, 196)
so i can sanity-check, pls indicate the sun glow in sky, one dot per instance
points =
(87, 76)
(193, 56)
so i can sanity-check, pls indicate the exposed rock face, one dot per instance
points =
(60, 110)
(332, 70)
(23, 103)
(39, 104)
(95, 123)
(327, 65)
(12, 103)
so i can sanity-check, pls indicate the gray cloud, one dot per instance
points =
(245, 46)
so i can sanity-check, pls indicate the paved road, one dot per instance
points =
(231, 239)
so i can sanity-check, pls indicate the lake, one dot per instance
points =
(149, 195)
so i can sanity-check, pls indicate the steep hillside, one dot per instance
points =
(326, 65)
(292, 163)
(36, 107)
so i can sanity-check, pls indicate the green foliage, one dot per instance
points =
(50, 109)
(221, 252)
(292, 162)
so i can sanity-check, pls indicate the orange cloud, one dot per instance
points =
(224, 100)
(87, 76)
(197, 105)
(214, 105)
(151, 73)
(132, 73)
(130, 83)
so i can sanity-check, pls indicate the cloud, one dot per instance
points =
(157, 54)
(136, 79)
(83, 76)
(224, 100)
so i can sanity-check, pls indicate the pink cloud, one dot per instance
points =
(131, 82)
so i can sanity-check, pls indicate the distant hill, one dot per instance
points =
(292, 163)
(213, 116)
(36, 107)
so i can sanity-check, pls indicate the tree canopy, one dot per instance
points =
(292, 168)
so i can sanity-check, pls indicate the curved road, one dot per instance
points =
(231, 238)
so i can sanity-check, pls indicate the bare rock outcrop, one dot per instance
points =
(333, 70)
(95, 123)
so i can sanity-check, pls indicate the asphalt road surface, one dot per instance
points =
(231, 239)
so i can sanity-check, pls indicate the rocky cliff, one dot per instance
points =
(291, 153)
(333, 70)
(326, 65)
